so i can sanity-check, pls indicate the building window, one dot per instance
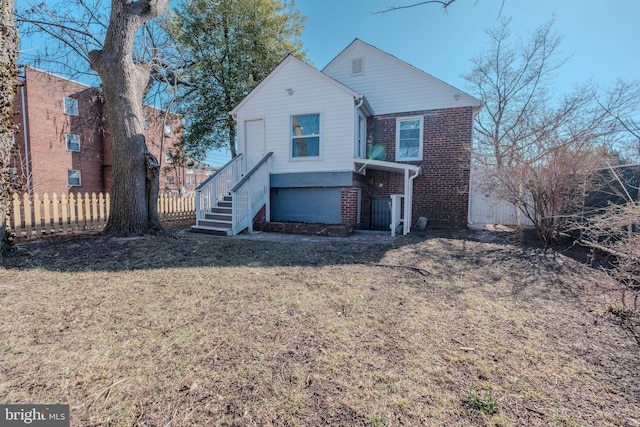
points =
(74, 178)
(169, 182)
(145, 123)
(409, 139)
(73, 142)
(190, 171)
(70, 106)
(169, 157)
(191, 182)
(305, 135)
(168, 130)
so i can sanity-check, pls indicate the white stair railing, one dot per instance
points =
(217, 186)
(250, 194)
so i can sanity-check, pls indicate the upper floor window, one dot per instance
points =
(168, 130)
(409, 139)
(74, 178)
(73, 142)
(169, 157)
(190, 171)
(70, 106)
(145, 123)
(305, 135)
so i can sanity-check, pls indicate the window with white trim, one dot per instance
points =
(305, 136)
(74, 178)
(191, 182)
(70, 106)
(409, 138)
(73, 142)
(168, 130)
(169, 181)
(190, 171)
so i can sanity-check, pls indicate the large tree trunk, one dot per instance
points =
(124, 83)
(8, 76)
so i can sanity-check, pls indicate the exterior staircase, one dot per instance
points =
(219, 220)
(227, 202)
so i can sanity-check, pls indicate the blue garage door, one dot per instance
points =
(316, 205)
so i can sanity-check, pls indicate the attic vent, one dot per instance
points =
(357, 66)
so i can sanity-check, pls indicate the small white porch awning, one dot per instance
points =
(410, 172)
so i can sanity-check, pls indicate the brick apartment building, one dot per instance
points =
(64, 142)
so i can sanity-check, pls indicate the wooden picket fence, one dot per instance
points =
(40, 215)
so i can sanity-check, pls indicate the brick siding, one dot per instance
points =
(441, 191)
(47, 126)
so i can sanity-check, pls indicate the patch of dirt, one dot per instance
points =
(188, 329)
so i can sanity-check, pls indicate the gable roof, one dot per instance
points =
(332, 69)
(287, 61)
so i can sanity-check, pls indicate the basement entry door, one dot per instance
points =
(254, 142)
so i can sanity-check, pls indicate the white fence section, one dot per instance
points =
(486, 210)
(396, 212)
(250, 194)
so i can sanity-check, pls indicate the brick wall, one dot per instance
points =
(350, 198)
(47, 126)
(441, 191)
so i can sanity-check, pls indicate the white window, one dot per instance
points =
(73, 142)
(305, 135)
(169, 157)
(70, 106)
(145, 123)
(191, 181)
(170, 182)
(74, 178)
(190, 171)
(168, 130)
(409, 136)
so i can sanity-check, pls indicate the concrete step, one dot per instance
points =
(218, 231)
(215, 223)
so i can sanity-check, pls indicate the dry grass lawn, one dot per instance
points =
(195, 330)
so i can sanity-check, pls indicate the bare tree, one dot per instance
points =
(538, 152)
(443, 3)
(123, 54)
(621, 102)
(8, 80)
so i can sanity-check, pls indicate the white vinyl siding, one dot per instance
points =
(391, 85)
(312, 93)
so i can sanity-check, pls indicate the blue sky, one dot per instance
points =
(601, 37)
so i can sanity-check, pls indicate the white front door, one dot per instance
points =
(254, 142)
